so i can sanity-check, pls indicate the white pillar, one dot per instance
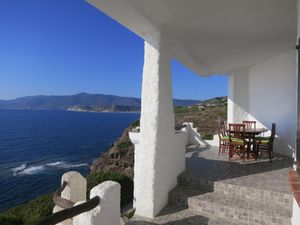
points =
(154, 173)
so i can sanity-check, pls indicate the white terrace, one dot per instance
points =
(252, 41)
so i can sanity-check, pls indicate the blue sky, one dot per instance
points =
(62, 47)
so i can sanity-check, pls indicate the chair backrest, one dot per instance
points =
(250, 124)
(273, 132)
(237, 130)
(222, 128)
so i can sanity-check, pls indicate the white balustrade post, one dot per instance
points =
(108, 212)
(74, 191)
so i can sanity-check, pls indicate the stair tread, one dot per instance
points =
(186, 191)
(241, 203)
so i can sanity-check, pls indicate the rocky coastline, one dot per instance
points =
(120, 157)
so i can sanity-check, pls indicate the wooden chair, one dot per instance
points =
(250, 139)
(265, 144)
(223, 137)
(250, 124)
(237, 140)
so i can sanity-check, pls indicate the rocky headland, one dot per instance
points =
(120, 157)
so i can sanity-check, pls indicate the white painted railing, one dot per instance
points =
(107, 212)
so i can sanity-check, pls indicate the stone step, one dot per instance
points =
(244, 189)
(180, 194)
(250, 193)
(240, 209)
(186, 217)
(194, 182)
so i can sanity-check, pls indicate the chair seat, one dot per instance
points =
(263, 141)
(238, 141)
(262, 138)
(225, 138)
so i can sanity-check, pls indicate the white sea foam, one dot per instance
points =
(19, 169)
(29, 170)
(65, 165)
(55, 164)
(26, 169)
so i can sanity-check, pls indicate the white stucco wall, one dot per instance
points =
(238, 96)
(273, 98)
(266, 92)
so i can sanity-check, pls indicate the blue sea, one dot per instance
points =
(37, 147)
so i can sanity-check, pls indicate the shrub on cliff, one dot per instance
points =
(135, 123)
(28, 213)
(10, 220)
(125, 182)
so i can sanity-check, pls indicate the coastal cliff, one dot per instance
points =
(120, 157)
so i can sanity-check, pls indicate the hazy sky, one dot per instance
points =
(64, 47)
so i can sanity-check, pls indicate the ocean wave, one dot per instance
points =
(26, 169)
(19, 169)
(65, 165)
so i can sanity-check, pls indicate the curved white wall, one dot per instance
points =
(273, 98)
(266, 92)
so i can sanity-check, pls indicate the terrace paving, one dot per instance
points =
(214, 190)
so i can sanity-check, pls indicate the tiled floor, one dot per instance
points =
(207, 172)
(205, 163)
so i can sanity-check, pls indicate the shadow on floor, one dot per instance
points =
(193, 220)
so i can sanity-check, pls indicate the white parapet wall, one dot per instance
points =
(107, 212)
(194, 137)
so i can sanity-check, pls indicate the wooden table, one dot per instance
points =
(250, 134)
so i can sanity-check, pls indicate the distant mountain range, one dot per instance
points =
(82, 102)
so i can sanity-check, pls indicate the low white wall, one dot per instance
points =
(266, 92)
(194, 137)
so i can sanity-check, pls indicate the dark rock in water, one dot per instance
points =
(120, 157)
